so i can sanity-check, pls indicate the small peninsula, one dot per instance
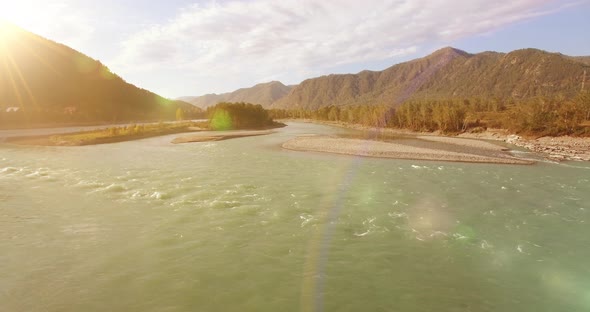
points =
(225, 119)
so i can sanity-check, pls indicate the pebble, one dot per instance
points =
(559, 148)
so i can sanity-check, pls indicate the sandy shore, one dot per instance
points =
(464, 142)
(552, 148)
(369, 148)
(206, 136)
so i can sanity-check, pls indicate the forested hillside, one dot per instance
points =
(447, 74)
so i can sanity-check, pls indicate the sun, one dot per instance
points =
(16, 16)
(7, 12)
(7, 31)
(21, 13)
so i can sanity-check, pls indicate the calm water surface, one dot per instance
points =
(242, 225)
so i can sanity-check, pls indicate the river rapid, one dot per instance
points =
(243, 225)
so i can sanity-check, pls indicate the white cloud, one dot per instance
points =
(239, 43)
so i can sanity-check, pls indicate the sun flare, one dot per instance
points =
(8, 31)
(22, 14)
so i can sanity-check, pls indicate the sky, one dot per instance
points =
(186, 47)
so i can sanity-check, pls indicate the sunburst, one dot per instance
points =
(8, 67)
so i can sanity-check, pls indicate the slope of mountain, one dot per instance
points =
(447, 73)
(581, 59)
(42, 81)
(264, 94)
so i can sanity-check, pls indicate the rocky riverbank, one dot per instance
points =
(562, 148)
(401, 149)
(555, 148)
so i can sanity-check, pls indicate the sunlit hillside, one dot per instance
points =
(448, 74)
(43, 82)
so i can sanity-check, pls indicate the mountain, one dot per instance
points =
(43, 82)
(264, 94)
(446, 73)
(581, 59)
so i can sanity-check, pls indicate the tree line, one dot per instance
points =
(22, 117)
(536, 116)
(228, 116)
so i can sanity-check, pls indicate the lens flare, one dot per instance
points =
(221, 120)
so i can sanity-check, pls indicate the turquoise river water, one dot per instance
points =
(242, 225)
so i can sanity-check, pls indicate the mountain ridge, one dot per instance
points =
(446, 73)
(49, 79)
(263, 93)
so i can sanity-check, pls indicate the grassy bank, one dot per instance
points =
(109, 135)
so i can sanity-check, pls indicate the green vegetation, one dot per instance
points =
(539, 116)
(221, 120)
(118, 134)
(233, 116)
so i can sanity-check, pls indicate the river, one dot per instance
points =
(242, 225)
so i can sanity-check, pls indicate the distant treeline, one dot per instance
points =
(167, 110)
(228, 116)
(538, 116)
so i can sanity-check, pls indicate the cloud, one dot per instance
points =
(228, 43)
